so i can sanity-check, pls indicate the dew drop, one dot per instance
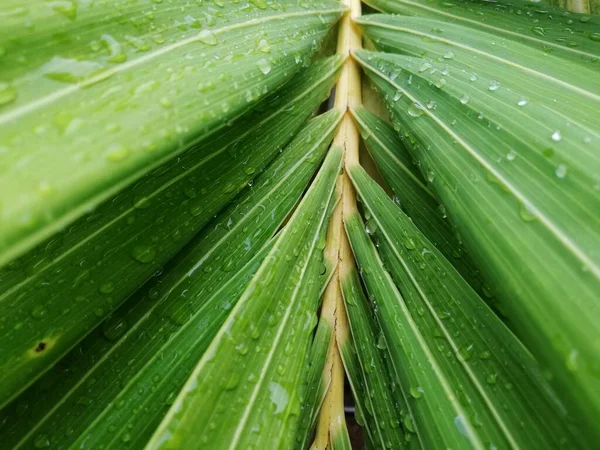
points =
(522, 102)
(144, 254)
(511, 155)
(106, 288)
(526, 213)
(68, 70)
(116, 54)
(114, 329)
(117, 153)
(415, 110)
(39, 312)
(561, 171)
(263, 46)
(465, 352)
(264, 65)
(207, 37)
(465, 99)
(493, 85)
(556, 137)
(416, 392)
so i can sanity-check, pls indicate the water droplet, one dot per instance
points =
(561, 171)
(144, 254)
(264, 66)
(511, 155)
(68, 70)
(381, 342)
(448, 55)
(539, 31)
(371, 226)
(491, 379)
(493, 85)
(196, 210)
(409, 243)
(113, 329)
(207, 37)
(461, 425)
(526, 213)
(473, 77)
(139, 44)
(39, 312)
(465, 99)
(416, 392)
(556, 137)
(263, 46)
(430, 176)
(8, 94)
(522, 102)
(465, 352)
(595, 37)
(415, 110)
(279, 396)
(408, 423)
(117, 152)
(116, 54)
(166, 102)
(425, 66)
(106, 288)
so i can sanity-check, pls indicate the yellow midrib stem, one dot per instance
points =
(347, 95)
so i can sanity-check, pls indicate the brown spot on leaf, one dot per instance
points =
(41, 347)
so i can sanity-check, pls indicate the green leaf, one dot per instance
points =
(412, 193)
(356, 382)
(246, 391)
(109, 112)
(340, 439)
(317, 383)
(181, 310)
(484, 53)
(484, 362)
(554, 30)
(386, 409)
(56, 294)
(518, 175)
(414, 363)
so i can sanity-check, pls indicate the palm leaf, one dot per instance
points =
(484, 53)
(569, 35)
(480, 357)
(137, 232)
(109, 112)
(384, 411)
(412, 193)
(265, 372)
(181, 310)
(498, 154)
